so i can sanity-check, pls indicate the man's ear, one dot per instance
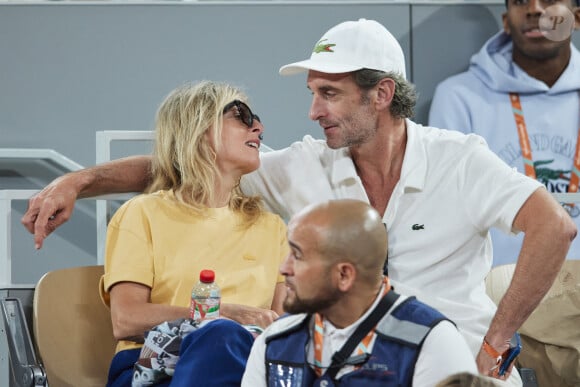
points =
(576, 11)
(385, 91)
(506, 27)
(346, 276)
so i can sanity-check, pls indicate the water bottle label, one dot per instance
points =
(205, 308)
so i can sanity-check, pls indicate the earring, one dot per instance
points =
(261, 137)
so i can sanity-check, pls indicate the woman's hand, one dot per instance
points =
(248, 315)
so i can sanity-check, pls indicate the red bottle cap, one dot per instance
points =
(207, 276)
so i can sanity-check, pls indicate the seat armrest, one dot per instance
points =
(27, 370)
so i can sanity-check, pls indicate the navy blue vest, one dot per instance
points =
(400, 336)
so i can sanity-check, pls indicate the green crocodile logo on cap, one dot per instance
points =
(323, 47)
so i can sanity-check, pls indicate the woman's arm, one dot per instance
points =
(132, 313)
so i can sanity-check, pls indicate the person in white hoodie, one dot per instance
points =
(533, 76)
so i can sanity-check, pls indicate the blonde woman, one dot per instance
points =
(195, 217)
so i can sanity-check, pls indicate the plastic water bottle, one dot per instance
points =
(205, 298)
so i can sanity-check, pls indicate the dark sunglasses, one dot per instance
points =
(244, 112)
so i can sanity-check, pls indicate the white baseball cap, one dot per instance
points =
(351, 46)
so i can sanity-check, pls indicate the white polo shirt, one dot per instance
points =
(452, 190)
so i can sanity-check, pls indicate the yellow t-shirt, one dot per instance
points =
(156, 241)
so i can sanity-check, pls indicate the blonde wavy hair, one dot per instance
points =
(183, 159)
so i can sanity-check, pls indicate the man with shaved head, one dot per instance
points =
(346, 321)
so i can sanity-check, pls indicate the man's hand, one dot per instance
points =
(50, 208)
(488, 365)
(248, 315)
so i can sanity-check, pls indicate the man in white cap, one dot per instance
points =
(438, 192)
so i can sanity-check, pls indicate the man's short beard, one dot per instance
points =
(330, 297)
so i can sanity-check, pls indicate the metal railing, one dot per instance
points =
(7, 196)
(40, 154)
(104, 140)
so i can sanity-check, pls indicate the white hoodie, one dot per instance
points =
(477, 101)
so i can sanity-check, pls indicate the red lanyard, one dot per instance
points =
(318, 336)
(527, 149)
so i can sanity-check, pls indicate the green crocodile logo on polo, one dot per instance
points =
(323, 47)
(544, 175)
(550, 178)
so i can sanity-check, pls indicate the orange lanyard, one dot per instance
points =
(527, 149)
(318, 336)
